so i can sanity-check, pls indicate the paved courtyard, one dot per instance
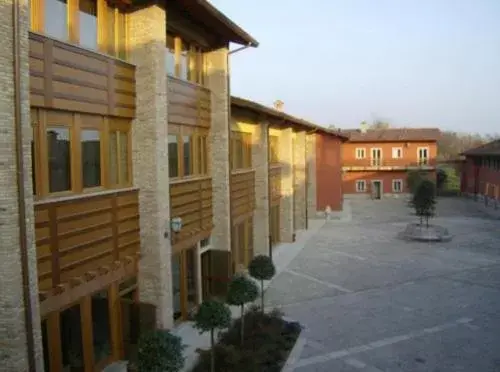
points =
(371, 302)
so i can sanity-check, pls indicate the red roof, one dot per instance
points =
(490, 148)
(393, 135)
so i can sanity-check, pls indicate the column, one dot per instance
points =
(147, 29)
(286, 204)
(311, 176)
(218, 83)
(300, 205)
(19, 311)
(260, 162)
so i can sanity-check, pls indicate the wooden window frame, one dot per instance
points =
(360, 182)
(118, 126)
(396, 181)
(196, 60)
(421, 160)
(274, 153)
(200, 165)
(76, 122)
(360, 153)
(37, 24)
(395, 151)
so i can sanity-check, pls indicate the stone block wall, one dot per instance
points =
(311, 175)
(147, 30)
(13, 332)
(260, 163)
(286, 205)
(300, 197)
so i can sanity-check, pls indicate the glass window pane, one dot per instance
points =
(184, 61)
(88, 23)
(59, 159)
(170, 55)
(113, 157)
(56, 16)
(124, 151)
(176, 285)
(110, 37)
(71, 339)
(187, 155)
(121, 37)
(100, 326)
(91, 158)
(173, 156)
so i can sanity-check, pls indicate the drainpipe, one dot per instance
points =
(16, 50)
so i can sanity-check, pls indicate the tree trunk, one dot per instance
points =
(212, 351)
(421, 220)
(242, 331)
(262, 295)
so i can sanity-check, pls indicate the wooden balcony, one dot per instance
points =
(81, 238)
(387, 164)
(189, 104)
(191, 199)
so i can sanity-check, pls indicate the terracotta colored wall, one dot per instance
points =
(350, 178)
(409, 152)
(328, 172)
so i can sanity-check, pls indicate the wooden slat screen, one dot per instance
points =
(192, 201)
(242, 195)
(81, 235)
(188, 103)
(66, 77)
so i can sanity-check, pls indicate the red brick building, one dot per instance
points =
(375, 162)
(481, 175)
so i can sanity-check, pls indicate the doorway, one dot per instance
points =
(377, 190)
(185, 283)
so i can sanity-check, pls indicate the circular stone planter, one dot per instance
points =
(422, 233)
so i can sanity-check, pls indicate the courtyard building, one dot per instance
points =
(376, 162)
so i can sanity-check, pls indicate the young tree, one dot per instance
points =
(262, 268)
(160, 351)
(413, 179)
(424, 200)
(241, 291)
(212, 315)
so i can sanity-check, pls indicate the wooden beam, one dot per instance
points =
(54, 341)
(115, 319)
(87, 333)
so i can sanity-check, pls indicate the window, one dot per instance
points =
(397, 185)
(423, 155)
(100, 326)
(59, 159)
(88, 23)
(242, 243)
(173, 155)
(202, 155)
(361, 186)
(360, 153)
(91, 158)
(241, 149)
(170, 55)
(205, 242)
(187, 155)
(83, 22)
(56, 11)
(99, 156)
(397, 152)
(376, 157)
(273, 149)
(184, 60)
(119, 153)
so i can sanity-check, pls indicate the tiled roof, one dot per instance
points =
(280, 115)
(490, 148)
(393, 134)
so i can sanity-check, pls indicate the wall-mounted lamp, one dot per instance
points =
(176, 224)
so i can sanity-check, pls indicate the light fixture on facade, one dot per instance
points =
(176, 224)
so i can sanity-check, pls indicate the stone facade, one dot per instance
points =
(147, 30)
(286, 204)
(13, 332)
(261, 166)
(300, 189)
(311, 175)
(218, 83)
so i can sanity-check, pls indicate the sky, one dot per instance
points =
(414, 63)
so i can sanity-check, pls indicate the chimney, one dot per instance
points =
(278, 105)
(363, 127)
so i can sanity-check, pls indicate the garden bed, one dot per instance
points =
(267, 343)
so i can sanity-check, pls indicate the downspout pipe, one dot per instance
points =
(21, 203)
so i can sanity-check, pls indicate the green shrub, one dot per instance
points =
(160, 351)
(241, 291)
(262, 268)
(424, 200)
(212, 315)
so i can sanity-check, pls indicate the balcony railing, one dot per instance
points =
(387, 164)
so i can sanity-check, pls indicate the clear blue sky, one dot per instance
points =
(411, 62)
